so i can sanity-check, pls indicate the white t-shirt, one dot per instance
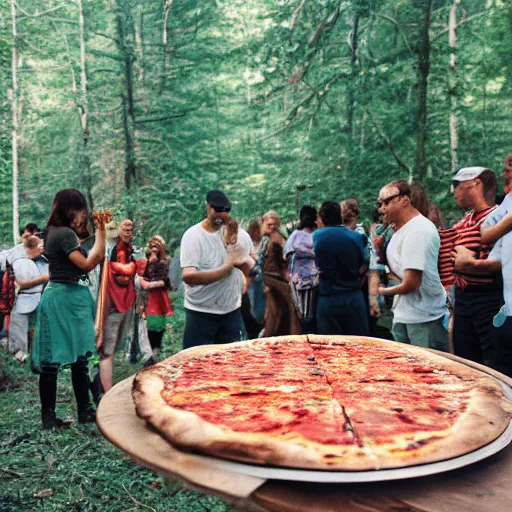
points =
(502, 251)
(415, 246)
(206, 251)
(25, 269)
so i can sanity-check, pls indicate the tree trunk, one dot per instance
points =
(85, 160)
(353, 73)
(165, 41)
(217, 122)
(423, 71)
(83, 76)
(140, 48)
(127, 101)
(15, 127)
(129, 164)
(452, 43)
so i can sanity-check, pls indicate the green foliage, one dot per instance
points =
(253, 96)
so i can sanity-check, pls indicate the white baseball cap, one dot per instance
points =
(469, 173)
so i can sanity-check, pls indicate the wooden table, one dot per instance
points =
(485, 486)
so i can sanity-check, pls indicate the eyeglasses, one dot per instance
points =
(388, 200)
(222, 209)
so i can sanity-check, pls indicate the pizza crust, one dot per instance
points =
(187, 430)
(485, 418)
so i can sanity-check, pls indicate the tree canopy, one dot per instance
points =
(144, 105)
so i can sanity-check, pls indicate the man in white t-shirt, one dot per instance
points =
(212, 283)
(412, 253)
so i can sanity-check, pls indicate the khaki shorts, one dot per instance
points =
(117, 328)
(427, 334)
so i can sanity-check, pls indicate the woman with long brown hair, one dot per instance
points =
(157, 307)
(65, 331)
(280, 315)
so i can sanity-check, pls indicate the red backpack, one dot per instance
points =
(7, 290)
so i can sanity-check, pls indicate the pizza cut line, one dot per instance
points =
(321, 402)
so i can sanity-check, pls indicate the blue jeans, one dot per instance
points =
(208, 328)
(343, 313)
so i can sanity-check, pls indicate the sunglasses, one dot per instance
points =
(222, 209)
(388, 200)
(456, 183)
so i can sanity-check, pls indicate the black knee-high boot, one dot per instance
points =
(81, 384)
(96, 388)
(155, 339)
(48, 395)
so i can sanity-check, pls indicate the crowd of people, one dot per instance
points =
(67, 293)
(99, 295)
(407, 278)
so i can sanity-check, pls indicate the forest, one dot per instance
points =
(144, 105)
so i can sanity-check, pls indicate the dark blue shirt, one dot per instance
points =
(339, 254)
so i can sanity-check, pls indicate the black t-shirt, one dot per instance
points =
(59, 244)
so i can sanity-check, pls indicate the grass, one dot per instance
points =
(76, 469)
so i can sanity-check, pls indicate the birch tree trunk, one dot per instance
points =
(83, 108)
(165, 41)
(139, 37)
(15, 127)
(452, 43)
(423, 71)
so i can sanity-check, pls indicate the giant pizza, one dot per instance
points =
(337, 402)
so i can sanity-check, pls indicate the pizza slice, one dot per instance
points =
(408, 406)
(265, 402)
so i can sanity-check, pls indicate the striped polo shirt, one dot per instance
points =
(466, 233)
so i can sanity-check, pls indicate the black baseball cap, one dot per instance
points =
(217, 199)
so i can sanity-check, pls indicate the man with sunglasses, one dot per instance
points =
(464, 263)
(212, 284)
(420, 300)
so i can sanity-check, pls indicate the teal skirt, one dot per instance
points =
(65, 325)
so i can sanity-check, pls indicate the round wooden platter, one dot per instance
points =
(482, 486)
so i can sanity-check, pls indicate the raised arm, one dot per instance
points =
(96, 254)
